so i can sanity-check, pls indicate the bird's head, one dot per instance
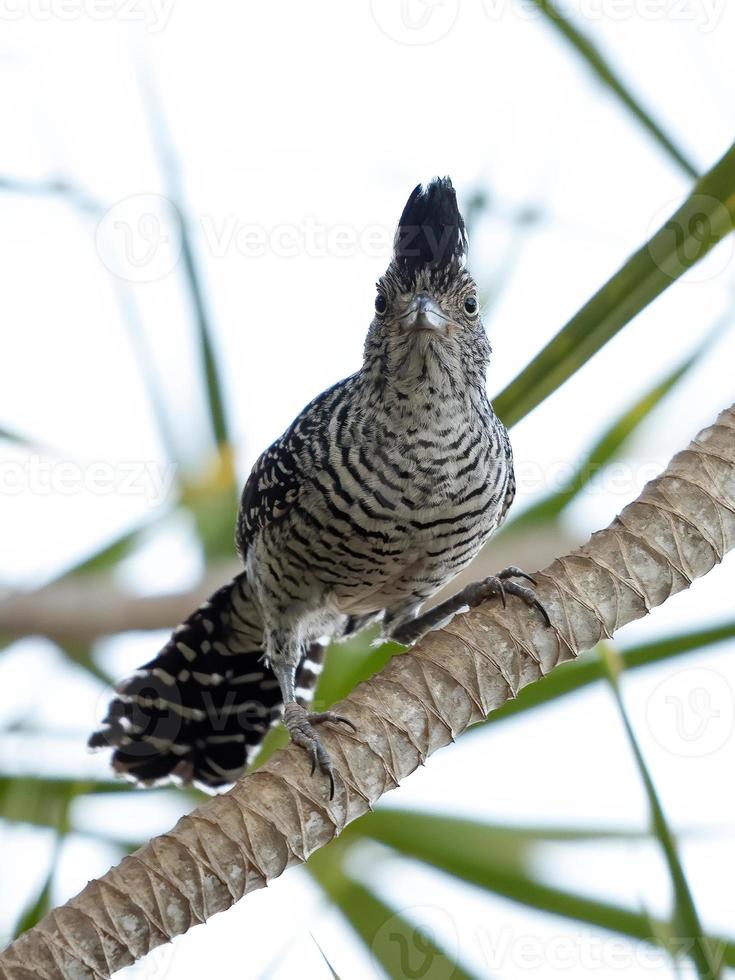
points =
(427, 309)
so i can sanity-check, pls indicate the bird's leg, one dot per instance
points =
(494, 586)
(299, 722)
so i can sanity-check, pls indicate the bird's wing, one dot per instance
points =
(510, 486)
(280, 476)
(274, 484)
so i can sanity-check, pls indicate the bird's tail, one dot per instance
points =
(200, 708)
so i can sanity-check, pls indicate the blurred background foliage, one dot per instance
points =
(496, 857)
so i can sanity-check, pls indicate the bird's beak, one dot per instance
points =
(424, 313)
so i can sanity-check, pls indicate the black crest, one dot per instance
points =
(431, 232)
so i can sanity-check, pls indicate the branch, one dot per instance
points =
(676, 531)
(84, 608)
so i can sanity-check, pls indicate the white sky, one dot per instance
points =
(290, 117)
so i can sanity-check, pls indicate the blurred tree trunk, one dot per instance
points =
(677, 530)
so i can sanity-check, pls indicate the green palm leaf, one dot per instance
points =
(705, 218)
(605, 73)
(702, 950)
(36, 910)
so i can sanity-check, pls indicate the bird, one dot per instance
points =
(378, 494)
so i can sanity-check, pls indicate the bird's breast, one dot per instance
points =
(414, 475)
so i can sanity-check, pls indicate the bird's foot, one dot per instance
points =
(502, 585)
(300, 724)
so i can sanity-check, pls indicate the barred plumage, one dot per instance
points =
(381, 490)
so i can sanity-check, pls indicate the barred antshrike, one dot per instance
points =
(382, 489)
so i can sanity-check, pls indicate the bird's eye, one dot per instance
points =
(470, 305)
(381, 304)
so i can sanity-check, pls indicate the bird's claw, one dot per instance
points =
(529, 597)
(332, 716)
(300, 724)
(512, 571)
(502, 585)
